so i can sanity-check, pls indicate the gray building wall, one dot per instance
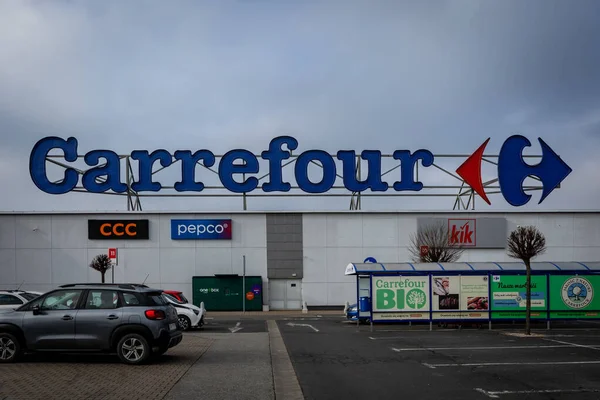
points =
(43, 250)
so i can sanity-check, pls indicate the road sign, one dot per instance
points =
(250, 295)
(112, 254)
(424, 250)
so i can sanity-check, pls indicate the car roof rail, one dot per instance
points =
(120, 285)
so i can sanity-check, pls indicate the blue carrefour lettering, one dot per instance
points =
(314, 171)
(37, 164)
(407, 162)
(512, 170)
(328, 171)
(188, 169)
(145, 182)
(275, 155)
(227, 168)
(91, 179)
(373, 180)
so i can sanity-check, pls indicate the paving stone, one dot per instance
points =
(98, 377)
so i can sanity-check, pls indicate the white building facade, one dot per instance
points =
(301, 257)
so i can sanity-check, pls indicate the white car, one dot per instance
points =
(190, 316)
(11, 299)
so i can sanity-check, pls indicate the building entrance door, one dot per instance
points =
(285, 294)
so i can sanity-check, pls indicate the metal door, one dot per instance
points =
(285, 294)
(53, 328)
(98, 317)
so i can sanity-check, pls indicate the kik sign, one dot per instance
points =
(105, 164)
(462, 232)
(475, 233)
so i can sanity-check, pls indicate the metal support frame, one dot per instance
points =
(464, 199)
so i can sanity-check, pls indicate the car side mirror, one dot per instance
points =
(35, 309)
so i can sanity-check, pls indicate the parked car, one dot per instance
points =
(190, 316)
(351, 312)
(178, 295)
(11, 299)
(135, 322)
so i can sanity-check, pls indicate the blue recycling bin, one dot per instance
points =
(364, 304)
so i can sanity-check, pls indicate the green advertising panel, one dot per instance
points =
(573, 296)
(509, 296)
(400, 297)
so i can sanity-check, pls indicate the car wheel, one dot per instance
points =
(133, 349)
(185, 322)
(10, 348)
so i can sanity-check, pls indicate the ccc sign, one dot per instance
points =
(99, 229)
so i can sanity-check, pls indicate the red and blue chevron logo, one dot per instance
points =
(513, 170)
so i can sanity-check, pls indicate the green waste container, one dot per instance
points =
(225, 292)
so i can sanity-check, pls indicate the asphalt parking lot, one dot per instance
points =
(325, 357)
(334, 359)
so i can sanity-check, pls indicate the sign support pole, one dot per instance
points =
(244, 286)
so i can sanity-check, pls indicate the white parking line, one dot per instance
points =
(510, 363)
(593, 347)
(481, 348)
(406, 337)
(496, 395)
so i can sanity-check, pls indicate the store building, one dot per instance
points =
(301, 257)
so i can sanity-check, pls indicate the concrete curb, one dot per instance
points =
(284, 376)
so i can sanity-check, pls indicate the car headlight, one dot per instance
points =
(196, 312)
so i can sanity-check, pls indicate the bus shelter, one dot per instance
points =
(475, 291)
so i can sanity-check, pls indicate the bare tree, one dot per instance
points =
(525, 243)
(101, 263)
(436, 237)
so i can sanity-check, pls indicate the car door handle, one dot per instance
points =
(67, 318)
(112, 317)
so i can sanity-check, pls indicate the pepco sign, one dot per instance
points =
(194, 229)
(102, 229)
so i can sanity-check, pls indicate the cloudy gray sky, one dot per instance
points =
(382, 75)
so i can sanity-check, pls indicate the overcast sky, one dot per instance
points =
(381, 75)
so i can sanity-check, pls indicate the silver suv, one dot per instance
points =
(134, 321)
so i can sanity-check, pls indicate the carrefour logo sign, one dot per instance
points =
(105, 173)
(195, 229)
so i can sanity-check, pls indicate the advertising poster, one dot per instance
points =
(474, 294)
(509, 296)
(400, 297)
(574, 296)
(467, 295)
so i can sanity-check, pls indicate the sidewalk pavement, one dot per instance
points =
(236, 366)
(241, 366)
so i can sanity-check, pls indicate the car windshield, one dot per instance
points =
(173, 299)
(183, 298)
(29, 296)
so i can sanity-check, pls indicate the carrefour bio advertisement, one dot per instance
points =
(574, 296)
(509, 296)
(400, 297)
(460, 297)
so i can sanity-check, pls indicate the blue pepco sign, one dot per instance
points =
(195, 229)
(512, 170)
